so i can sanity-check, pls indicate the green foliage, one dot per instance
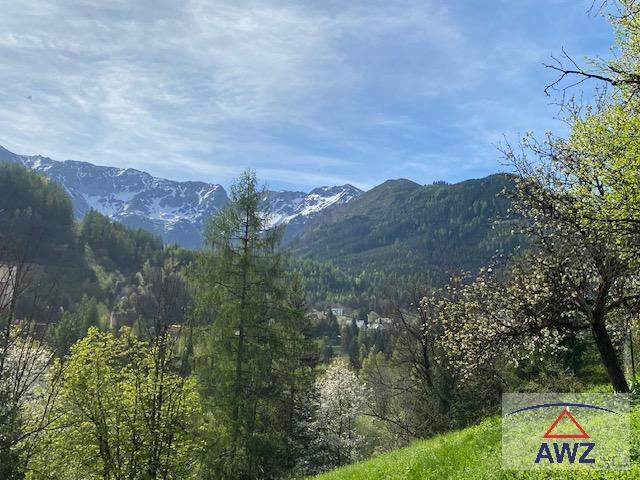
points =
(118, 247)
(326, 326)
(159, 300)
(328, 284)
(111, 424)
(350, 344)
(12, 461)
(251, 353)
(36, 216)
(73, 326)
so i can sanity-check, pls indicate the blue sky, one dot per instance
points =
(307, 93)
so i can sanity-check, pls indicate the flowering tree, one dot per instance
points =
(495, 322)
(341, 400)
(577, 277)
(579, 199)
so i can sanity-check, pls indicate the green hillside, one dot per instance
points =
(469, 454)
(95, 257)
(400, 234)
(403, 227)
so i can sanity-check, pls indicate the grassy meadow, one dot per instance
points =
(469, 454)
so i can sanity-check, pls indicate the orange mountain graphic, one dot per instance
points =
(565, 414)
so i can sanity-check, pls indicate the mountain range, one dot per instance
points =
(347, 241)
(176, 211)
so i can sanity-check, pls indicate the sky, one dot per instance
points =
(307, 93)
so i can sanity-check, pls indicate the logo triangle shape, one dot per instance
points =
(565, 413)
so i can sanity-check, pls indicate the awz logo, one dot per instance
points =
(566, 431)
(565, 452)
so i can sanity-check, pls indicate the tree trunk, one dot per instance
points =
(633, 356)
(609, 358)
(237, 391)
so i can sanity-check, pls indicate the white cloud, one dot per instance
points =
(300, 91)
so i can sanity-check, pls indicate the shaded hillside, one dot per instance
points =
(96, 257)
(403, 228)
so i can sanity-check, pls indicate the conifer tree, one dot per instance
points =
(249, 356)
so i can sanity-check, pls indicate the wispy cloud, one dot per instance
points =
(305, 92)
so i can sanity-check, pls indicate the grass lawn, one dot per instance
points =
(472, 453)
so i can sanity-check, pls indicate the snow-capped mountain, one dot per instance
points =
(295, 209)
(177, 211)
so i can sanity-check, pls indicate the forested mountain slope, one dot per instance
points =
(403, 228)
(95, 257)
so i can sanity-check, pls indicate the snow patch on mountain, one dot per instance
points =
(288, 207)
